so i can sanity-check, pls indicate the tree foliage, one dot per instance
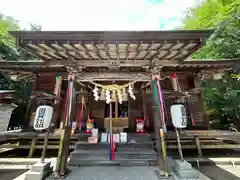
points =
(223, 16)
(223, 99)
(9, 51)
(7, 45)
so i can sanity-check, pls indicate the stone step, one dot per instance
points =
(149, 152)
(132, 162)
(133, 146)
(92, 152)
(135, 156)
(87, 146)
(140, 150)
(139, 138)
(117, 157)
(105, 157)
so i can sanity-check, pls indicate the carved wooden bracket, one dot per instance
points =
(74, 68)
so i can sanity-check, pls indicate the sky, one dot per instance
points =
(98, 14)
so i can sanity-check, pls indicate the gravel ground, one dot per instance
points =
(113, 173)
(221, 172)
(10, 174)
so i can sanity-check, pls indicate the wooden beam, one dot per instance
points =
(102, 76)
(127, 50)
(97, 50)
(86, 50)
(76, 51)
(106, 63)
(117, 51)
(148, 50)
(110, 36)
(156, 54)
(107, 51)
(36, 64)
(169, 51)
(138, 49)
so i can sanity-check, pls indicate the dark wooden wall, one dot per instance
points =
(45, 82)
(194, 104)
(97, 112)
(135, 110)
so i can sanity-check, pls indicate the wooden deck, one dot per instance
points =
(198, 140)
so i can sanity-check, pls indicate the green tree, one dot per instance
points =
(223, 16)
(9, 51)
(7, 47)
(223, 99)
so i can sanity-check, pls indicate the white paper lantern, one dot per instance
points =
(179, 116)
(43, 117)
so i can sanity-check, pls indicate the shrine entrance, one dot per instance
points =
(113, 62)
(119, 117)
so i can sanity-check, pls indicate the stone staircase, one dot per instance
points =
(138, 151)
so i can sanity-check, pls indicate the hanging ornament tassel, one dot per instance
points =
(157, 99)
(68, 106)
(108, 96)
(58, 85)
(70, 101)
(95, 93)
(161, 101)
(130, 91)
(81, 111)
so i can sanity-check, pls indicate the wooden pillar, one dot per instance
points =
(197, 141)
(57, 103)
(32, 148)
(61, 167)
(116, 106)
(180, 100)
(160, 142)
(71, 79)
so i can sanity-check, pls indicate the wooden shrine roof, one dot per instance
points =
(112, 45)
(95, 53)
